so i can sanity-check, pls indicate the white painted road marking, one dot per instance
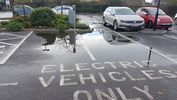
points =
(88, 51)
(3, 46)
(172, 37)
(1, 52)
(10, 38)
(14, 35)
(144, 46)
(12, 52)
(7, 43)
(9, 84)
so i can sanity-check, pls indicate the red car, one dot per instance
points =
(148, 13)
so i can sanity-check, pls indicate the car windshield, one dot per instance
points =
(124, 11)
(64, 7)
(153, 11)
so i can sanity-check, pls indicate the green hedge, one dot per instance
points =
(14, 26)
(80, 26)
(43, 16)
(24, 20)
(3, 24)
(61, 25)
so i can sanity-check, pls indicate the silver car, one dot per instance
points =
(62, 9)
(175, 19)
(122, 18)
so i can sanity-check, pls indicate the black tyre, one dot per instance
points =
(115, 26)
(150, 24)
(166, 28)
(104, 22)
(175, 21)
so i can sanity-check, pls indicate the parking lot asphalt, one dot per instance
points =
(102, 65)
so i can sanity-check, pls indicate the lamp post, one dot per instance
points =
(156, 17)
(61, 6)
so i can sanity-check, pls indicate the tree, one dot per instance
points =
(133, 2)
(102, 2)
(110, 2)
(171, 2)
(22, 1)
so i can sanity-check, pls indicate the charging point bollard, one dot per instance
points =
(149, 58)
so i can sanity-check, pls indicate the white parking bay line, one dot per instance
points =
(10, 38)
(12, 52)
(7, 43)
(9, 84)
(172, 37)
(3, 46)
(155, 51)
(1, 52)
(14, 35)
(88, 51)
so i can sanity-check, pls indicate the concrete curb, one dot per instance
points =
(79, 31)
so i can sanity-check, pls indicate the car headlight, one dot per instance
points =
(158, 20)
(171, 20)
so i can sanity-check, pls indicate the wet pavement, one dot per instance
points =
(102, 65)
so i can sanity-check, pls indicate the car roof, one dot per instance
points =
(64, 6)
(149, 7)
(119, 7)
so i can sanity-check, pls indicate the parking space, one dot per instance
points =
(102, 65)
(9, 43)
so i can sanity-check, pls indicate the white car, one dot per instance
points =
(65, 9)
(122, 18)
(175, 19)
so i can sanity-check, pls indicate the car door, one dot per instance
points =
(28, 10)
(144, 14)
(112, 16)
(106, 15)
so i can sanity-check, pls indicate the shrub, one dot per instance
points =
(24, 20)
(43, 17)
(4, 24)
(14, 26)
(63, 17)
(80, 26)
(61, 25)
(19, 18)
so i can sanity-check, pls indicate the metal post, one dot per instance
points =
(74, 9)
(149, 58)
(156, 17)
(61, 6)
(24, 11)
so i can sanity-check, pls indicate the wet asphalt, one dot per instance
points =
(101, 65)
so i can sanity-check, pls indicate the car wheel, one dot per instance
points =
(166, 28)
(104, 22)
(115, 25)
(176, 21)
(150, 24)
(15, 14)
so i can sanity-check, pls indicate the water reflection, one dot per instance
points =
(50, 39)
(66, 40)
(115, 39)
